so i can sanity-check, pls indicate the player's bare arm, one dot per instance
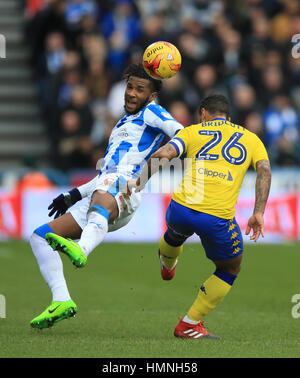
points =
(157, 160)
(262, 189)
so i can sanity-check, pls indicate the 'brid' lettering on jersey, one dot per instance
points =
(136, 137)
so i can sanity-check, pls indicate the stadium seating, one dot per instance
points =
(22, 137)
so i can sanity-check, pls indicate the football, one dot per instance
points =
(161, 60)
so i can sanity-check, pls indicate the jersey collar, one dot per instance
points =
(219, 119)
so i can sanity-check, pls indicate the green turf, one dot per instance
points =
(126, 310)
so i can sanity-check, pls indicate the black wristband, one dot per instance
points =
(75, 195)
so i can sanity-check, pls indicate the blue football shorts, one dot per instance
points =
(221, 238)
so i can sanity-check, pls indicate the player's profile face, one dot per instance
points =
(138, 94)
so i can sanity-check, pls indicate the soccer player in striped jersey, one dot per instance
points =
(220, 152)
(133, 140)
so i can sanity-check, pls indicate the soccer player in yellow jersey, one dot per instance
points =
(218, 154)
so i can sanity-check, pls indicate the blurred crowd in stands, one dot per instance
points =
(242, 49)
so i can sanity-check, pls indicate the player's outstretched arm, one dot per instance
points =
(157, 160)
(262, 189)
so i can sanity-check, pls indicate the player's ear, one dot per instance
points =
(229, 119)
(199, 116)
(202, 115)
(153, 96)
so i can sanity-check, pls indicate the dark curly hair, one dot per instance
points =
(138, 71)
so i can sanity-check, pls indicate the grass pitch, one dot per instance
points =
(125, 310)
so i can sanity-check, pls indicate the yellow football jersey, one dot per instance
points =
(218, 155)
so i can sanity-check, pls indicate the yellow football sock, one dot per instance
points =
(169, 253)
(211, 293)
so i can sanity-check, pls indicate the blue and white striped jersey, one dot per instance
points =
(135, 138)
